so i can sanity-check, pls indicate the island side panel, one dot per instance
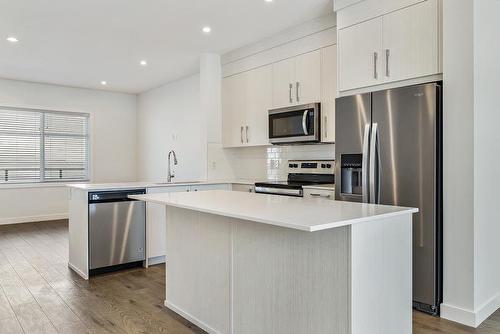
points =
(198, 268)
(381, 269)
(288, 281)
(78, 232)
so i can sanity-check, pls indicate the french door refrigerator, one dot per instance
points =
(389, 151)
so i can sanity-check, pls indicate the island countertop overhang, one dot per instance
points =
(303, 214)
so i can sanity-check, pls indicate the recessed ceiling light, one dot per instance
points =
(206, 29)
(12, 39)
(269, 0)
(104, 83)
(143, 63)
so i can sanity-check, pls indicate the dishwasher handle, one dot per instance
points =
(114, 196)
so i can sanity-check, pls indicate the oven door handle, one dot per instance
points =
(304, 122)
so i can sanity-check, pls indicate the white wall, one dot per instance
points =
(169, 118)
(458, 147)
(113, 134)
(472, 177)
(486, 157)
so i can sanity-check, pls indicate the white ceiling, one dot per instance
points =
(79, 43)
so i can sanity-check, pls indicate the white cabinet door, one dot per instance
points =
(410, 42)
(308, 77)
(328, 93)
(360, 55)
(233, 110)
(156, 228)
(258, 102)
(283, 83)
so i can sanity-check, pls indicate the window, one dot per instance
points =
(43, 146)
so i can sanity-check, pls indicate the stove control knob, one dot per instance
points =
(328, 165)
(290, 165)
(323, 166)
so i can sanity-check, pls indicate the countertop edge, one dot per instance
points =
(322, 227)
(140, 185)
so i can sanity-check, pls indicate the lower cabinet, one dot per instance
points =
(155, 216)
(156, 229)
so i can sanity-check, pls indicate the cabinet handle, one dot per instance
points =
(387, 55)
(241, 134)
(319, 195)
(246, 132)
(297, 91)
(375, 59)
(326, 127)
(290, 92)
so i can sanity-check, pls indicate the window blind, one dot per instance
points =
(43, 146)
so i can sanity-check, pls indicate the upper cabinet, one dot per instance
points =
(297, 80)
(411, 42)
(246, 99)
(359, 53)
(328, 93)
(403, 44)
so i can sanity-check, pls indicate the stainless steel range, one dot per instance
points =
(300, 173)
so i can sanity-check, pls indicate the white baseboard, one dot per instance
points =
(31, 219)
(457, 314)
(468, 317)
(156, 260)
(190, 318)
(78, 271)
(487, 308)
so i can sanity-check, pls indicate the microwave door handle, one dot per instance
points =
(365, 162)
(304, 122)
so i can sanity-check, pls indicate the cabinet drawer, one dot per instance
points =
(243, 187)
(319, 193)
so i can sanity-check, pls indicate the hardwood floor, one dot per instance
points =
(39, 294)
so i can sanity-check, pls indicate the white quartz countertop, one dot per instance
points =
(305, 214)
(140, 185)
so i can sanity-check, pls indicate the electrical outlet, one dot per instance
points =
(214, 165)
(275, 164)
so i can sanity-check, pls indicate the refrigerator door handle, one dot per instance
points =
(364, 170)
(374, 166)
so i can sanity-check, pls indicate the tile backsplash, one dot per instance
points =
(261, 163)
(278, 156)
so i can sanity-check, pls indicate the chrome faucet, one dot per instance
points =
(170, 172)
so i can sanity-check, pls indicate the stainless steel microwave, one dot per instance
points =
(297, 124)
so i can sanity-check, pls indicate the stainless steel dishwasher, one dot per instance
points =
(117, 230)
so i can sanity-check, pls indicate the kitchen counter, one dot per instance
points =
(142, 185)
(283, 211)
(256, 263)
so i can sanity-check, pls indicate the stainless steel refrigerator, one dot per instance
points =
(388, 150)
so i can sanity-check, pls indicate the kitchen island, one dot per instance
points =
(253, 263)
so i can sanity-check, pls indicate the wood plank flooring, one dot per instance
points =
(39, 294)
